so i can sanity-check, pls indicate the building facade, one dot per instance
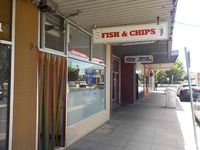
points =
(59, 80)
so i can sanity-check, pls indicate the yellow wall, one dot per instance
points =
(5, 18)
(25, 88)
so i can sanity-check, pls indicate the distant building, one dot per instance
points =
(194, 77)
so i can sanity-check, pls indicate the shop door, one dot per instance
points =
(5, 61)
(115, 95)
(115, 83)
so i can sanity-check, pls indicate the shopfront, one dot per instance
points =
(56, 83)
(72, 80)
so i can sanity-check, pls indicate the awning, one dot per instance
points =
(107, 13)
(90, 14)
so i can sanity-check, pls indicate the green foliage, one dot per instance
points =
(73, 73)
(177, 74)
(160, 76)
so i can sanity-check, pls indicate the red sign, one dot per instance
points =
(97, 59)
(78, 53)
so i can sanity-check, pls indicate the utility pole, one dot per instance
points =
(187, 57)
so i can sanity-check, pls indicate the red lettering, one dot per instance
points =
(110, 34)
(116, 34)
(142, 32)
(103, 35)
(153, 31)
(147, 31)
(132, 33)
(137, 32)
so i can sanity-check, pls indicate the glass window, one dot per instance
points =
(54, 32)
(79, 44)
(5, 19)
(4, 93)
(115, 65)
(99, 53)
(86, 90)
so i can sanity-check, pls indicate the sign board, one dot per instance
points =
(1, 30)
(140, 59)
(97, 60)
(134, 33)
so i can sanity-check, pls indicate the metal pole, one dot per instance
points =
(191, 96)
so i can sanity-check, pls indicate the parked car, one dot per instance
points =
(72, 84)
(82, 84)
(184, 92)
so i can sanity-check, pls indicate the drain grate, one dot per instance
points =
(106, 129)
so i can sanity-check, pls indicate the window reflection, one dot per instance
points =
(79, 43)
(4, 93)
(86, 95)
(99, 53)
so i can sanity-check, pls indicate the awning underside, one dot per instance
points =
(107, 13)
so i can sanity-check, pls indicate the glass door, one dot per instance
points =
(5, 67)
(115, 81)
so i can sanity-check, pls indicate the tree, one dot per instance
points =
(73, 73)
(177, 74)
(160, 76)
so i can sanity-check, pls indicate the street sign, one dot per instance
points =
(187, 57)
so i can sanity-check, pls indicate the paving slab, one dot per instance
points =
(146, 125)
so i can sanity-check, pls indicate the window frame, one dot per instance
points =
(42, 46)
(67, 42)
(67, 23)
(11, 43)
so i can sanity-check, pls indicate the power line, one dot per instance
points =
(187, 24)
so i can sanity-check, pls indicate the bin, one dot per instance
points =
(171, 98)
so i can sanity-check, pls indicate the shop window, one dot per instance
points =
(5, 19)
(54, 32)
(79, 44)
(99, 53)
(86, 90)
(4, 93)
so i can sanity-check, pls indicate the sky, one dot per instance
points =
(187, 31)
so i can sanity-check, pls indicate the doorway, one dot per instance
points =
(115, 81)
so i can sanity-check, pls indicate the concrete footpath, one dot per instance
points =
(143, 126)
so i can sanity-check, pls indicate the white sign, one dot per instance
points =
(124, 34)
(1, 30)
(141, 59)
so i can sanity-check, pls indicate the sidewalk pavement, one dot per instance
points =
(143, 126)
